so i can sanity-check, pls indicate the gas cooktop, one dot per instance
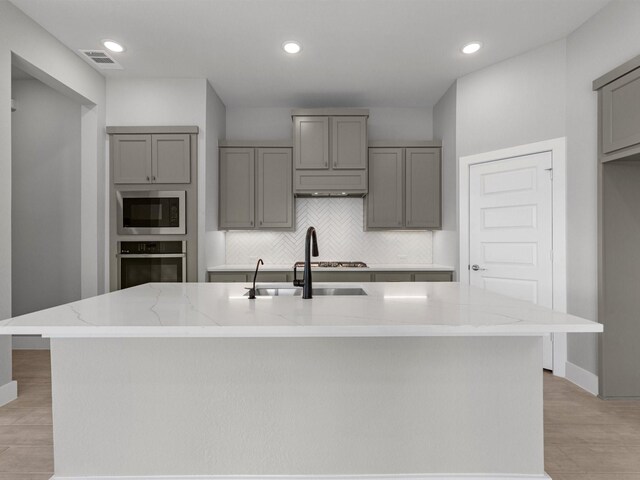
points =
(333, 264)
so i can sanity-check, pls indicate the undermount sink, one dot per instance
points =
(296, 292)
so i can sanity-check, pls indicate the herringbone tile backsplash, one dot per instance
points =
(339, 225)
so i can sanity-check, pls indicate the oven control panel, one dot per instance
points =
(150, 248)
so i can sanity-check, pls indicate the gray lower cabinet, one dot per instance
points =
(256, 182)
(324, 276)
(151, 158)
(404, 189)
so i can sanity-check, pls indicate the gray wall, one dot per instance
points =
(445, 241)
(25, 38)
(45, 214)
(216, 128)
(275, 123)
(518, 101)
(608, 39)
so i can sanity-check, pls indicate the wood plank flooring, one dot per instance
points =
(585, 438)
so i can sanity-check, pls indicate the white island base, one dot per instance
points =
(386, 407)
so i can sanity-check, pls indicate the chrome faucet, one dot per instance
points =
(305, 283)
(252, 291)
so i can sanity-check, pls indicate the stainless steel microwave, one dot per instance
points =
(151, 212)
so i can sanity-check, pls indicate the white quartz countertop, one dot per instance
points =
(427, 267)
(222, 310)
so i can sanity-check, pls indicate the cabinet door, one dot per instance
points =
(386, 193)
(171, 158)
(131, 156)
(275, 188)
(621, 112)
(349, 142)
(311, 142)
(422, 185)
(237, 188)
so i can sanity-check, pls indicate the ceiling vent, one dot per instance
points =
(101, 59)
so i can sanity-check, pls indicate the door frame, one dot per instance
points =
(557, 148)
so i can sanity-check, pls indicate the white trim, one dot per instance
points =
(427, 476)
(583, 378)
(558, 149)
(8, 392)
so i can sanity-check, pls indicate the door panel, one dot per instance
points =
(349, 142)
(311, 142)
(386, 179)
(237, 188)
(275, 188)
(510, 234)
(131, 158)
(171, 158)
(422, 170)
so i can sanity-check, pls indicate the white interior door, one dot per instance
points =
(510, 230)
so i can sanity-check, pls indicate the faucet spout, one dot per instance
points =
(311, 240)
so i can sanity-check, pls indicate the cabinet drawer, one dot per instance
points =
(341, 276)
(236, 277)
(393, 277)
(433, 277)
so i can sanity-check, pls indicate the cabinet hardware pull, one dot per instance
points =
(153, 178)
(148, 179)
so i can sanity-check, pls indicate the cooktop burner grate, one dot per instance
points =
(333, 264)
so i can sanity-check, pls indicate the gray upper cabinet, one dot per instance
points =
(256, 190)
(330, 151)
(404, 189)
(423, 204)
(154, 158)
(386, 192)
(131, 158)
(349, 142)
(311, 142)
(621, 113)
(171, 158)
(275, 188)
(237, 188)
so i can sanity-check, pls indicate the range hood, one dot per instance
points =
(330, 194)
(330, 183)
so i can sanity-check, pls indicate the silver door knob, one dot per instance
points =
(475, 268)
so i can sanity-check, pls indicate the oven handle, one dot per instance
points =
(151, 255)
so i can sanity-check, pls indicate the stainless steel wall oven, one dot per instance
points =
(151, 212)
(144, 262)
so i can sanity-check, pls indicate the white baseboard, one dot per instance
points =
(8, 392)
(451, 476)
(582, 378)
(30, 342)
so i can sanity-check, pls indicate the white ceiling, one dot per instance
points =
(369, 53)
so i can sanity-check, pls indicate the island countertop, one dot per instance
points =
(222, 310)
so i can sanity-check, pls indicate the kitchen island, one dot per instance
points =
(437, 380)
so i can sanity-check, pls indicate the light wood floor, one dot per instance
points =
(585, 438)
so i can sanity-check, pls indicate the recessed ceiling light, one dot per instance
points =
(113, 46)
(472, 47)
(291, 47)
